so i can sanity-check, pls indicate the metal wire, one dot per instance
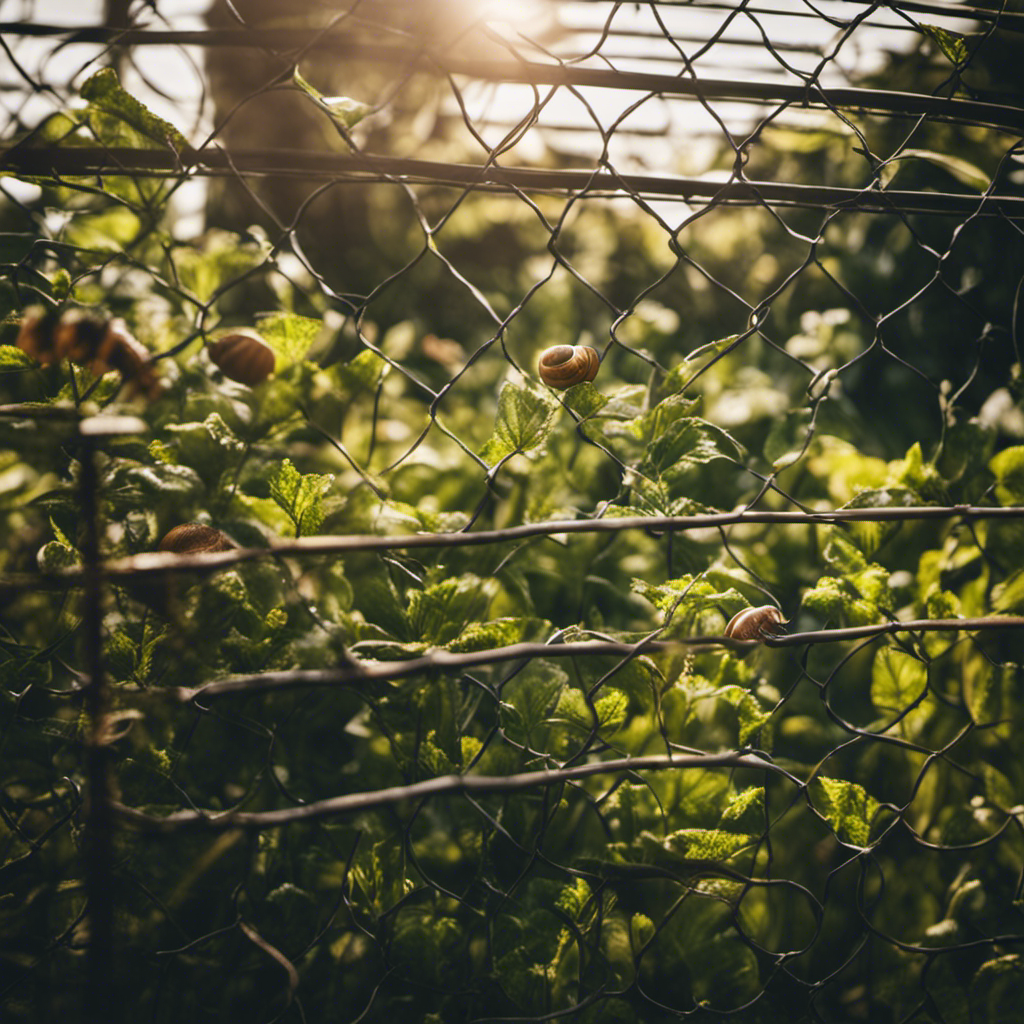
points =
(485, 781)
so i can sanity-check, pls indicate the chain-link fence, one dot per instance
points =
(513, 512)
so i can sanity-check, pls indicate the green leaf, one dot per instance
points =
(847, 807)
(952, 45)
(58, 554)
(573, 898)
(12, 358)
(342, 109)
(688, 442)
(691, 596)
(104, 93)
(438, 612)
(524, 421)
(705, 843)
(290, 336)
(584, 399)
(653, 424)
(532, 692)
(898, 682)
(983, 691)
(1008, 596)
(166, 481)
(364, 372)
(786, 438)
(1008, 468)
(205, 446)
(105, 232)
(747, 805)
(998, 787)
(868, 536)
(300, 496)
(748, 710)
(835, 600)
(481, 636)
(711, 348)
(964, 172)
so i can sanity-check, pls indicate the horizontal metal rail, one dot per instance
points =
(56, 161)
(354, 672)
(445, 784)
(1000, 115)
(157, 563)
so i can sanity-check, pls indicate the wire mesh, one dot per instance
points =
(689, 691)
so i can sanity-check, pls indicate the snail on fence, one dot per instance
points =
(195, 539)
(562, 366)
(243, 356)
(755, 623)
(90, 339)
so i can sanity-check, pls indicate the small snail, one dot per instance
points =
(90, 339)
(243, 356)
(562, 366)
(195, 539)
(755, 623)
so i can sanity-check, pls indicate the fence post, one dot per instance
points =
(100, 1004)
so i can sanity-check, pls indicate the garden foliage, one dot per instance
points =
(864, 863)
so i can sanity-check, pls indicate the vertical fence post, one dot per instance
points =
(98, 823)
(100, 993)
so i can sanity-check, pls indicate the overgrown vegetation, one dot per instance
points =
(864, 864)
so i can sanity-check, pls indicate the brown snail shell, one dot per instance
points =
(755, 623)
(90, 339)
(243, 356)
(195, 539)
(562, 366)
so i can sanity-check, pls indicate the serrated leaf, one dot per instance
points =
(748, 710)
(747, 805)
(204, 446)
(899, 687)
(482, 636)
(654, 423)
(836, 601)
(584, 399)
(848, 808)
(104, 92)
(524, 421)
(532, 692)
(688, 442)
(438, 612)
(573, 898)
(705, 843)
(690, 596)
(290, 336)
(300, 496)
